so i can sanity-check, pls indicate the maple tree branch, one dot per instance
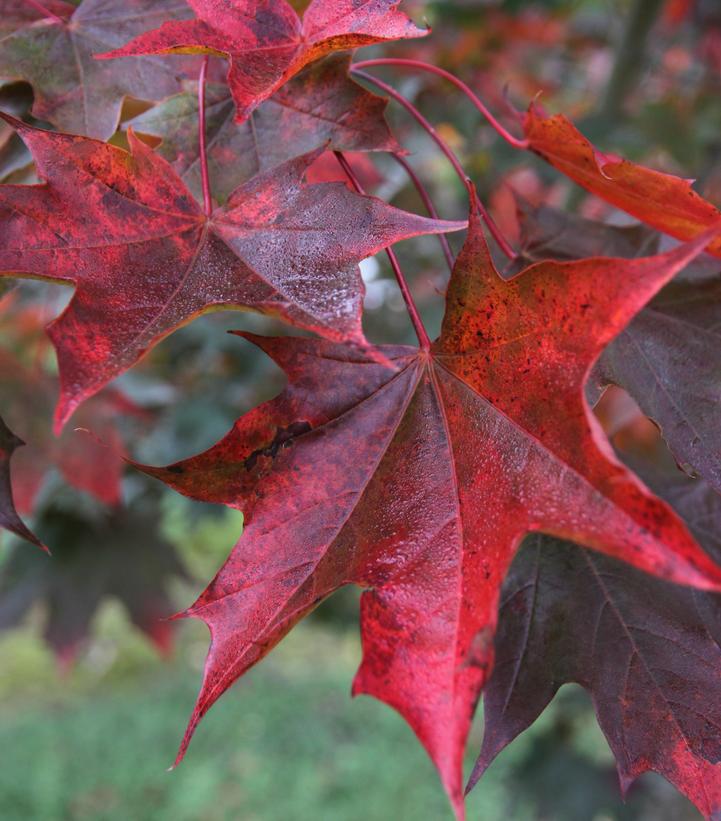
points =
(472, 96)
(428, 202)
(46, 12)
(207, 199)
(630, 56)
(503, 243)
(418, 326)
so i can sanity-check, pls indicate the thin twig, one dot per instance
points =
(630, 56)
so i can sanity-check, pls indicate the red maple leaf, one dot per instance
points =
(29, 393)
(419, 483)
(145, 259)
(265, 41)
(664, 201)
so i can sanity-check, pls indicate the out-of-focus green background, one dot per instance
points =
(285, 743)
(93, 740)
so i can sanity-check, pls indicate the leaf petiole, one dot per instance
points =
(503, 243)
(205, 178)
(427, 201)
(46, 12)
(472, 96)
(423, 338)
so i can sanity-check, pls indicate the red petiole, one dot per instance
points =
(503, 243)
(428, 202)
(45, 12)
(472, 96)
(205, 177)
(423, 338)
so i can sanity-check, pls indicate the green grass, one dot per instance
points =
(286, 743)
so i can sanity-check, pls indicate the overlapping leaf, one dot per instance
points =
(669, 360)
(9, 518)
(145, 259)
(648, 652)
(121, 555)
(418, 484)
(669, 357)
(322, 104)
(17, 13)
(27, 396)
(55, 55)
(266, 43)
(549, 233)
(663, 201)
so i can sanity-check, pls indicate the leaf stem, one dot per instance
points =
(428, 202)
(46, 12)
(423, 338)
(472, 96)
(503, 243)
(205, 177)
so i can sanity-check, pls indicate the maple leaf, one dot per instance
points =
(663, 201)
(72, 90)
(145, 259)
(9, 518)
(549, 233)
(29, 393)
(82, 460)
(669, 360)
(418, 484)
(319, 105)
(647, 651)
(120, 555)
(669, 357)
(266, 43)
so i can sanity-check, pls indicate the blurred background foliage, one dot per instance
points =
(94, 687)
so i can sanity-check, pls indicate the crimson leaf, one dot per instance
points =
(418, 483)
(145, 259)
(265, 42)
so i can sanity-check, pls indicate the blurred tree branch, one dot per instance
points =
(630, 57)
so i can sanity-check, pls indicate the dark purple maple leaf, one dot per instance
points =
(9, 518)
(649, 653)
(54, 53)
